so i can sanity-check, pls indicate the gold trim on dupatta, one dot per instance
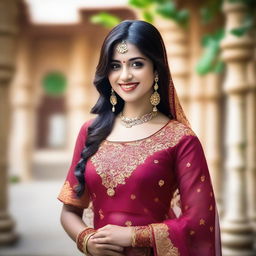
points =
(163, 243)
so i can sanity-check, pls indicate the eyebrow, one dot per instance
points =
(135, 58)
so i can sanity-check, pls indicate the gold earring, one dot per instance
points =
(113, 99)
(155, 97)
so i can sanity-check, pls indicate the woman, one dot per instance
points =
(136, 157)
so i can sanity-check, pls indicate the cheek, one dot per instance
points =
(112, 77)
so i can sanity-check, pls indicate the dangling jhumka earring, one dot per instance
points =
(155, 97)
(113, 99)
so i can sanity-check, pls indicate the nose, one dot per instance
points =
(125, 75)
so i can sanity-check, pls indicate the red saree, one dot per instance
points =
(132, 184)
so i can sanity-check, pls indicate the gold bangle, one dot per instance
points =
(79, 234)
(86, 239)
(80, 237)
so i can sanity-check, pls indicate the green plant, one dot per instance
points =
(209, 61)
(105, 19)
(14, 179)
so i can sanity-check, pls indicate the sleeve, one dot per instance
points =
(196, 231)
(67, 194)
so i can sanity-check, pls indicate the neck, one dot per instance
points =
(136, 110)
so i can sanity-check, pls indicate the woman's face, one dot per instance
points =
(132, 75)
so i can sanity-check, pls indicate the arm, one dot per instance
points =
(71, 220)
(73, 207)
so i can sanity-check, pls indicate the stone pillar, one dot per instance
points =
(251, 144)
(21, 139)
(213, 132)
(78, 95)
(237, 236)
(176, 42)
(8, 31)
(197, 83)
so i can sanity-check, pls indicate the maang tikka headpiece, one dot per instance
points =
(122, 47)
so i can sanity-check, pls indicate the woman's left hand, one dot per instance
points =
(112, 234)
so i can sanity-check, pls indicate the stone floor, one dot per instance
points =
(36, 210)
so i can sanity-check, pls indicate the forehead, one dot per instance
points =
(132, 52)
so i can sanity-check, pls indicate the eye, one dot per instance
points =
(137, 64)
(114, 66)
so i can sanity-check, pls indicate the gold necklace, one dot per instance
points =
(129, 122)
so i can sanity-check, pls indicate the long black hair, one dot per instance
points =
(149, 41)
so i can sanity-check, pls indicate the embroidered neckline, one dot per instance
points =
(114, 167)
(145, 138)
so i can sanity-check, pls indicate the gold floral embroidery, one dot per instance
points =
(202, 222)
(210, 208)
(133, 197)
(192, 232)
(164, 245)
(113, 166)
(68, 196)
(142, 236)
(188, 164)
(211, 228)
(203, 178)
(156, 199)
(161, 183)
(128, 223)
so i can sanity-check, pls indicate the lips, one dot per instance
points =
(128, 86)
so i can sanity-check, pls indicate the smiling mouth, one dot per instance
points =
(128, 85)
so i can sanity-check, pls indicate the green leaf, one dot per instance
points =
(140, 3)
(245, 27)
(218, 67)
(148, 16)
(206, 62)
(239, 31)
(162, 1)
(206, 40)
(167, 10)
(210, 10)
(105, 19)
(219, 34)
(182, 16)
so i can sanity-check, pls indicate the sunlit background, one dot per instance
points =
(48, 54)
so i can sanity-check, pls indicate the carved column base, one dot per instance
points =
(237, 239)
(7, 234)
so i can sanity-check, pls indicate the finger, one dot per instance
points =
(98, 235)
(101, 240)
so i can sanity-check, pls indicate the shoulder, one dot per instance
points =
(175, 131)
(82, 134)
(172, 134)
(183, 138)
